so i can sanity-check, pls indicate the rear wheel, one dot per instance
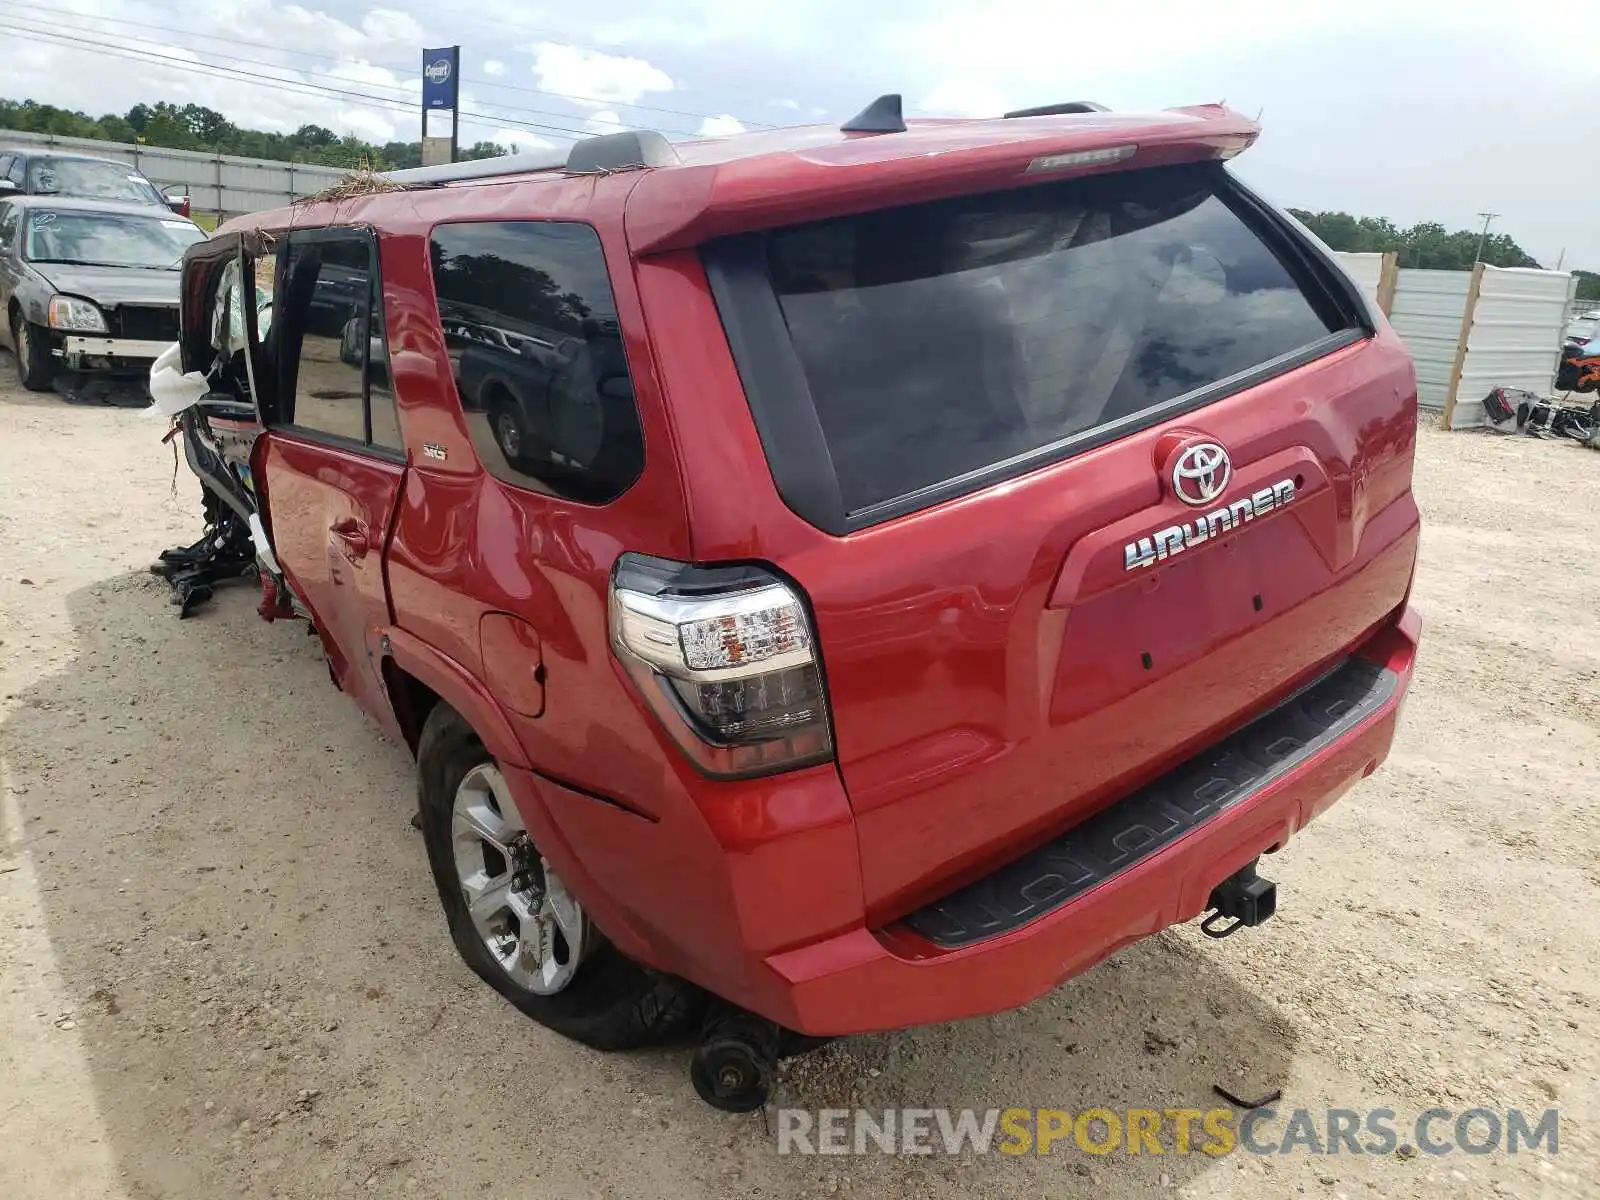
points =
(511, 915)
(36, 368)
(509, 433)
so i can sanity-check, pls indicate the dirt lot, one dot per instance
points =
(222, 971)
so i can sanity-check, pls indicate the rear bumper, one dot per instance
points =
(897, 976)
(757, 894)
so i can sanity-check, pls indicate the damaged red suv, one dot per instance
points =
(831, 579)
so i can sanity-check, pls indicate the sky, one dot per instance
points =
(1408, 109)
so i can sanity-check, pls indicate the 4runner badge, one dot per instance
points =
(1175, 539)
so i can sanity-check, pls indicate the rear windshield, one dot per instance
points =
(943, 338)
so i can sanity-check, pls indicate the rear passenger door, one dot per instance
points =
(332, 456)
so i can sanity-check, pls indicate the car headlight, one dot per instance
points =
(69, 312)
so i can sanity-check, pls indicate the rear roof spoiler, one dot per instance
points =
(673, 210)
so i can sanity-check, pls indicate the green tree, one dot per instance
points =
(196, 127)
(313, 136)
(1426, 244)
(207, 124)
(116, 129)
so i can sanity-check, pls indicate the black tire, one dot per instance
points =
(36, 368)
(613, 1003)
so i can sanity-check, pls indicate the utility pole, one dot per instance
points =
(1477, 255)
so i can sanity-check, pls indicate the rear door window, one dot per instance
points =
(324, 329)
(942, 341)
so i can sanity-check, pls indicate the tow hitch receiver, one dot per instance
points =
(1243, 898)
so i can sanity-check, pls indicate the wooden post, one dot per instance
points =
(1461, 347)
(1388, 280)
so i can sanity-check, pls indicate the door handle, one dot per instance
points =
(353, 538)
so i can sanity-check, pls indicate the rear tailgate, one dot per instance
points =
(1005, 677)
(1021, 618)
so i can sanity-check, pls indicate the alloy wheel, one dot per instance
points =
(533, 927)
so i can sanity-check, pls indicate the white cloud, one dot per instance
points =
(375, 79)
(791, 105)
(723, 126)
(696, 24)
(367, 124)
(962, 98)
(589, 77)
(604, 121)
(494, 68)
(521, 140)
(387, 26)
(381, 34)
(97, 82)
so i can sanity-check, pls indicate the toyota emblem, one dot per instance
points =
(1201, 473)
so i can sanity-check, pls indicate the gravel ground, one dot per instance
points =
(222, 971)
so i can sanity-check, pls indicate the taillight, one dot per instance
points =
(726, 658)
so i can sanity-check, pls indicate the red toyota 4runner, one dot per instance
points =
(831, 579)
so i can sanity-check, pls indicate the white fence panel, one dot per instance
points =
(1366, 268)
(1426, 313)
(220, 183)
(1515, 336)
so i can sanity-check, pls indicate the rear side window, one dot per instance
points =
(536, 352)
(945, 339)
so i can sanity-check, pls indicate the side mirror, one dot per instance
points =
(8, 185)
(179, 202)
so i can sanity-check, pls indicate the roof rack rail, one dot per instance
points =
(883, 115)
(607, 152)
(1056, 110)
(478, 168)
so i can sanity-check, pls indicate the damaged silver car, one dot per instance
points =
(88, 286)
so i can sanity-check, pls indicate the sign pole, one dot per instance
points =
(441, 88)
